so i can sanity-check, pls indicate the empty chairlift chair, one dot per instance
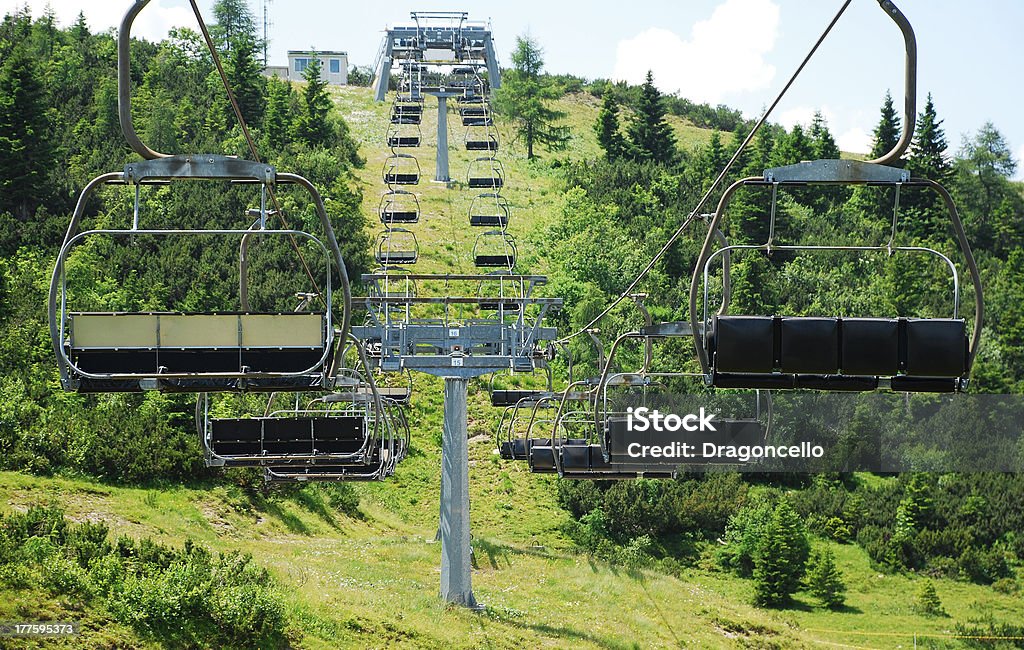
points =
(825, 352)
(197, 352)
(399, 206)
(397, 247)
(489, 210)
(477, 115)
(486, 173)
(352, 431)
(481, 139)
(402, 136)
(401, 169)
(495, 249)
(407, 114)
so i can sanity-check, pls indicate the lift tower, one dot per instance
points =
(429, 50)
(481, 324)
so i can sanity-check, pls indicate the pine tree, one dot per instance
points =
(650, 135)
(877, 203)
(278, 120)
(887, 133)
(247, 82)
(780, 558)
(823, 145)
(234, 20)
(313, 126)
(925, 213)
(927, 601)
(793, 148)
(26, 152)
(609, 135)
(825, 581)
(524, 98)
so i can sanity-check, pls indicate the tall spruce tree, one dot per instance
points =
(925, 212)
(234, 19)
(824, 147)
(279, 118)
(877, 203)
(609, 135)
(247, 81)
(26, 152)
(524, 98)
(780, 558)
(313, 126)
(887, 132)
(650, 135)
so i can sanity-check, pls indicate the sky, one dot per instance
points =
(736, 52)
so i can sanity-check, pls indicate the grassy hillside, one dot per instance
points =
(446, 241)
(372, 582)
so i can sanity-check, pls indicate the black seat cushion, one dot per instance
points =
(576, 456)
(542, 459)
(744, 344)
(936, 347)
(810, 345)
(870, 346)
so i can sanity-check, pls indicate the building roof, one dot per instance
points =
(317, 52)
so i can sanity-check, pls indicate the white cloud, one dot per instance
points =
(724, 54)
(803, 115)
(855, 140)
(152, 23)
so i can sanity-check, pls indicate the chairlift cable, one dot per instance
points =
(252, 150)
(714, 186)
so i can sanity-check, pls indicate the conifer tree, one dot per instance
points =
(278, 120)
(313, 126)
(887, 132)
(26, 152)
(780, 558)
(925, 213)
(650, 135)
(234, 19)
(793, 148)
(825, 581)
(927, 601)
(823, 145)
(247, 81)
(524, 98)
(877, 203)
(608, 131)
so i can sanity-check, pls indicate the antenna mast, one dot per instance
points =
(266, 30)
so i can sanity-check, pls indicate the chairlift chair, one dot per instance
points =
(489, 210)
(486, 172)
(403, 136)
(826, 352)
(481, 139)
(495, 249)
(401, 169)
(399, 206)
(174, 351)
(351, 428)
(397, 246)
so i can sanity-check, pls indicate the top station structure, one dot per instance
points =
(442, 54)
(435, 43)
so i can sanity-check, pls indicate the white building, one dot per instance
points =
(333, 65)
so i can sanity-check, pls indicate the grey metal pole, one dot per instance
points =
(442, 140)
(456, 580)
